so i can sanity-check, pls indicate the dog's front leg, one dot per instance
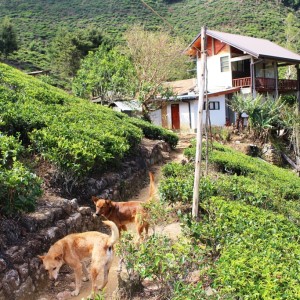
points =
(78, 274)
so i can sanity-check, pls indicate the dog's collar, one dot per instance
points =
(110, 212)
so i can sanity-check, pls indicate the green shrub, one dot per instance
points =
(167, 263)
(20, 189)
(258, 250)
(75, 135)
(178, 184)
(10, 149)
(177, 170)
(156, 132)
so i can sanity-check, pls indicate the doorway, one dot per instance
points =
(175, 116)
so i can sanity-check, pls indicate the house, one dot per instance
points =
(176, 112)
(235, 63)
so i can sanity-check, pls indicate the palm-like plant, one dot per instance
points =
(264, 113)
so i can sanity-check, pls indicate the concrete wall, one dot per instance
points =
(188, 116)
(216, 79)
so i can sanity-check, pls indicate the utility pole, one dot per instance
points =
(201, 67)
(297, 129)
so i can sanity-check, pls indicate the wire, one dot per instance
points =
(154, 11)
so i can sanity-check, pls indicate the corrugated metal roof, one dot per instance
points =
(128, 105)
(259, 48)
(180, 87)
(210, 94)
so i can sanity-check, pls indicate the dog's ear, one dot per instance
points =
(108, 202)
(41, 257)
(59, 257)
(94, 199)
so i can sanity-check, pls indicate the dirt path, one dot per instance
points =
(65, 280)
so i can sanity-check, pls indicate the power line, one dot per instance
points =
(154, 11)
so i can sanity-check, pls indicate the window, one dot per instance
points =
(213, 105)
(238, 66)
(224, 63)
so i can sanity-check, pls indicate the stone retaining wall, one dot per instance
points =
(21, 271)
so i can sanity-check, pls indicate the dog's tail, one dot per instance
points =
(152, 185)
(114, 233)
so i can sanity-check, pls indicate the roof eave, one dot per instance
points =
(209, 33)
(283, 59)
(256, 55)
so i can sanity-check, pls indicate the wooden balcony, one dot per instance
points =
(241, 82)
(267, 84)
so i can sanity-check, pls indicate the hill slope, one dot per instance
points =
(39, 121)
(38, 20)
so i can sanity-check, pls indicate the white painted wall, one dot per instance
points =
(217, 80)
(217, 117)
(155, 117)
(184, 115)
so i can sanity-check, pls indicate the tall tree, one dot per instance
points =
(8, 37)
(157, 57)
(292, 34)
(64, 55)
(68, 48)
(106, 74)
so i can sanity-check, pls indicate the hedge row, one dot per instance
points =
(258, 251)
(249, 224)
(74, 134)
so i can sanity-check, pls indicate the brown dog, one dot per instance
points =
(73, 248)
(123, 213)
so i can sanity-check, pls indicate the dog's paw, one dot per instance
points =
(75, 293)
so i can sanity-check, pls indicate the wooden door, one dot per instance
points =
(175, 116)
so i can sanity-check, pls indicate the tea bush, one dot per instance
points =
(75, 135)
(10, 149)
(19, 187)
(251, 233)
(156, 132)
(167, 263)
(258, 250)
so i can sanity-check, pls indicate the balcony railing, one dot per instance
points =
(241, 82)
(266, 84)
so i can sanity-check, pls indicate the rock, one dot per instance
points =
(194, 277)
(209, 291)
(85, 210)
(3, 265)
(23, 271)
(74, 204)
(74, 222)
(53, 234)
(63, 295)
(26, 288)
(16, 254)
(62, 228)
(11, 282)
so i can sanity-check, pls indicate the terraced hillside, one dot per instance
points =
(36, 21)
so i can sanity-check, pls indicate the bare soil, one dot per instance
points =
(65, 283)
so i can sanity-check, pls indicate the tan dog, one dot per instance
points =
(123, 213)
(73, 248)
